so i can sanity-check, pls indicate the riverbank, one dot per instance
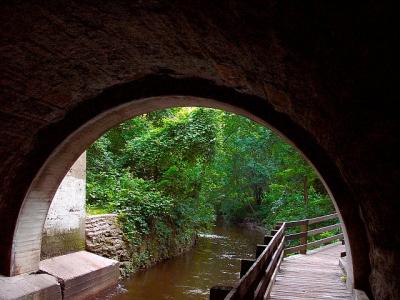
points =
(105, 237)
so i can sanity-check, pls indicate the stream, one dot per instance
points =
(215, 260)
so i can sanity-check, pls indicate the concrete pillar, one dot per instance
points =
(64, 228)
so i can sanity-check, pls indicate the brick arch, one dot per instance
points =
(119, 103)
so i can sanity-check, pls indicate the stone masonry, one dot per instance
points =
(105, 238)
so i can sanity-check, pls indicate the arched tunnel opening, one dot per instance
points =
(118, 160)
(48, 179)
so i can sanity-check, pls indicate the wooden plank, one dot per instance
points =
(313, 244)
(315, 276)
(323, 229)
(323, 218)
(311, 221)
(303, 239)
(272, 281)
(241, 288)
(262, 286)
(326, 240)
(294, 249)
(295, 236)
(296, 223)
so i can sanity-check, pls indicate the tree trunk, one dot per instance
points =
(257, 191)
(305, 193)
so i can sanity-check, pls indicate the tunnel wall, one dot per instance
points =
(321, 73)
(64, 228)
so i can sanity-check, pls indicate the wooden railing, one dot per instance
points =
(258, 275)
(305, 233)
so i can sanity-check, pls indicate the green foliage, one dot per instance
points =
(149, 170)
(96, 210)
(169, 173)
(256, 175)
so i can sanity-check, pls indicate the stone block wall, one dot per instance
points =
(104, 237)
(64, 229)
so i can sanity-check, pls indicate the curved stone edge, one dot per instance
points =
(30, 286)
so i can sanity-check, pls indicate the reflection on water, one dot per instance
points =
(214, 260)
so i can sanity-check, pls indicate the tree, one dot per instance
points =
(201, 161)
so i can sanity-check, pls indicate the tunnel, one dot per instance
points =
(321, 74)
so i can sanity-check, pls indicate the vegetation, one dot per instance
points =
(170, 173)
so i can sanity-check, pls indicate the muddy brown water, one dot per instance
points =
(215, 259)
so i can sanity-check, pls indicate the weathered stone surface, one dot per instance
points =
(360, 295)
(34, 286)
(322, 73)
(104, 237)
(82, 274)
(64, 228)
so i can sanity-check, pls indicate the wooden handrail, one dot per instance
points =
(305, 233)
(323, 229)
(266, 281)
(245, 287)
(311, 221)
(257, 276)
(315, 243)
(322, 218)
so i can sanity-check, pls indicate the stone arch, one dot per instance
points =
(87, 122)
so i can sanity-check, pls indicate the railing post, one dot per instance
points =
(260, 249)
(245, 265)
(267, 239)
(219, 292)
(303, 239)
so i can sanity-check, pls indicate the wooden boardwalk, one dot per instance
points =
(316, 275)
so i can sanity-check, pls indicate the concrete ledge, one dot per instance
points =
(35, 286)
(359, 295)
(82, 274)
